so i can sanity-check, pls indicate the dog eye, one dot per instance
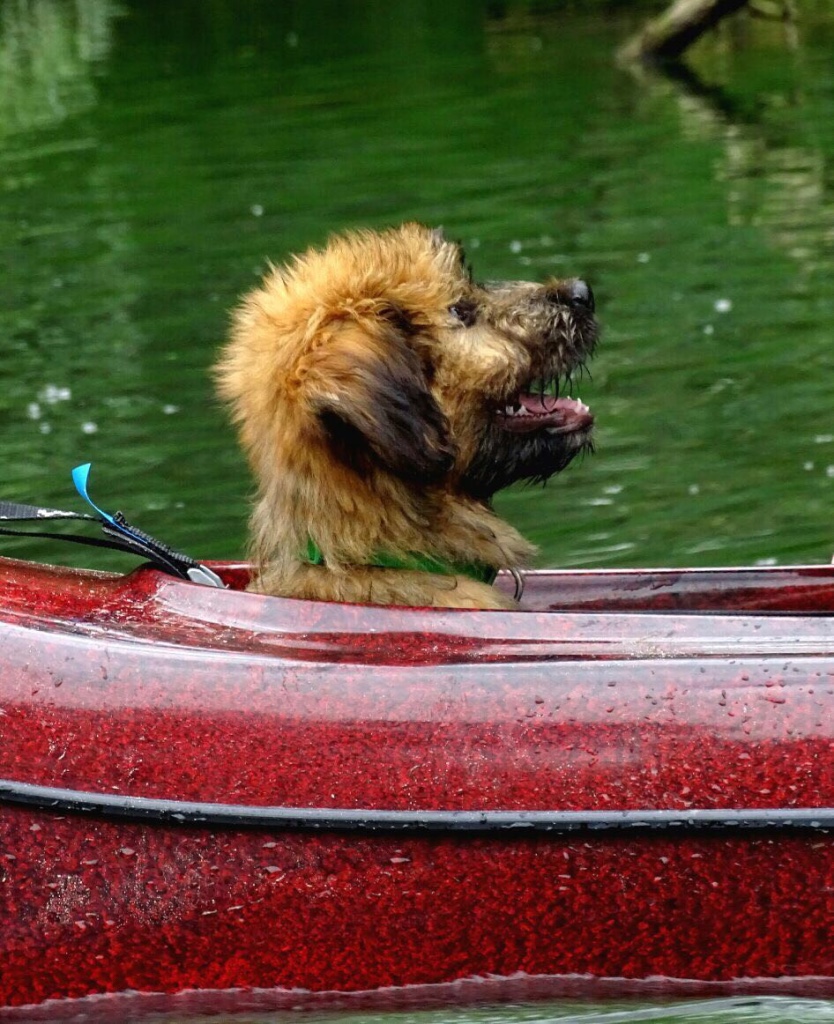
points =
(464, 311)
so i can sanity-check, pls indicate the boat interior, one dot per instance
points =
(795, 590)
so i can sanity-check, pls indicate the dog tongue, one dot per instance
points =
(539, 412)
(540, 405)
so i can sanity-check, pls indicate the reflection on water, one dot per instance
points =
(772, 1010)
(712, 1011)
(156, 155)
(48, 55)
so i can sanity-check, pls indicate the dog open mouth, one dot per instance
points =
(529, 412)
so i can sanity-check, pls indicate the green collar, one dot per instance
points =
(422, 563)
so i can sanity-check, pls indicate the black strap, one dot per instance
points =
(122, 536)
(17, 510)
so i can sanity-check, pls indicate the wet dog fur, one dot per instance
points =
(382, 397)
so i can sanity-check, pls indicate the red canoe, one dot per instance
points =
(629, 784)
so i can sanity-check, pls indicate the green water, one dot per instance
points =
(154, 154)
(775, 1010)
(737, 1010)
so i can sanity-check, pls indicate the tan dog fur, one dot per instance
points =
(367, 380)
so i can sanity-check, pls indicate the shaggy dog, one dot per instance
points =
(383, 397)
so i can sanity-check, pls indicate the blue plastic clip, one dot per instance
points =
(197, 573)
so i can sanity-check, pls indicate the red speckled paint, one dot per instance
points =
(616, 690)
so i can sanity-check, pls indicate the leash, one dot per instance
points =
(120, 535)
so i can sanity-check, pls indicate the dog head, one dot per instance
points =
(382, 355)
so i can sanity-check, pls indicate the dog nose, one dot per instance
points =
(573, 292)
(580, 294)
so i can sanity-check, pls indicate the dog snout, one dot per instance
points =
(582, 295)
(576, 293)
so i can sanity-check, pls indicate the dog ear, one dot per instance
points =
(369, 390)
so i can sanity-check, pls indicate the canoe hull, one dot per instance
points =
(103, 907)
(478, 734)
(94, 907)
